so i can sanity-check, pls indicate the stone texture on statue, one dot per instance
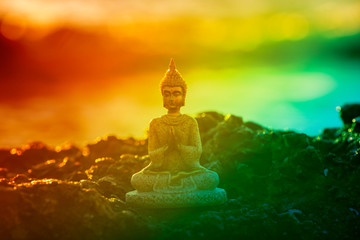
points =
(174, 178)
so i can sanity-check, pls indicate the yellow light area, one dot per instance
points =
(13, 151)
(63, 163)
(26, 147)
(285, 26)
(52, 161)
(85, 151)
(58, 149)
(44, 181)
(229, 33)
(338, 19)
(249, 34)
(212, 33)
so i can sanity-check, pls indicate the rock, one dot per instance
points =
(348, 112)
(109, 186)
(78, 176)
(44, 210)
(208, 120)
(233, 120)
(356, 125)
(299, 140)
(4, 183)
(21, 178)
(3, 172)
(20, 160)
(280, 185)
(43, 170)
(254, 126)
(89, 184)
(69, 168)
(113, 147)
(331, 133)
(113, 176)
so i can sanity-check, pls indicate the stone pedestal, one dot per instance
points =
(176, 200)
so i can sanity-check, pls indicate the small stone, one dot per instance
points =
(254, 126)
(21, 178)
(3, 172)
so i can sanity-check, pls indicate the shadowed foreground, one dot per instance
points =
(280, 185)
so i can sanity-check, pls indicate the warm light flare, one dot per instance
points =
(13, 27)
(13, 151)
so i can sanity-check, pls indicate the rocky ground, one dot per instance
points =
(280, 185)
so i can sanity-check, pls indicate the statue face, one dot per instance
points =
(173, 97)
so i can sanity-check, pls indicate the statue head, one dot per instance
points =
(173, 88)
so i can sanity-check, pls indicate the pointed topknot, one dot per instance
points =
(173, 78)
(172, 65)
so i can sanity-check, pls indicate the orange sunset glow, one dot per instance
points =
(73, 71)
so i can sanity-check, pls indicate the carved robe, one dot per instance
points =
(187, 138)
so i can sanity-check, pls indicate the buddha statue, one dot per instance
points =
(174, 147)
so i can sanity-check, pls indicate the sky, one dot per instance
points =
(74, 71)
